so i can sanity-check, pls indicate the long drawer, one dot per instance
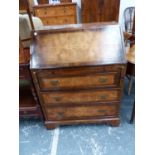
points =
(58, 20)
(79, 112)
(95, 80)
(53, 11)
(81, 70)
(79, 97)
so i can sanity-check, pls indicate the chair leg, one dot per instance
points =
(130, 85)
(133, 114)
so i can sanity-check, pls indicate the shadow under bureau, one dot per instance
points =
(78, 72)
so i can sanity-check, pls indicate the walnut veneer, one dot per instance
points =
(47, 1)
(78, 71)
(63, 13)
(100, 10)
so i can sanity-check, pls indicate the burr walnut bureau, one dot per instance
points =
(78, 71)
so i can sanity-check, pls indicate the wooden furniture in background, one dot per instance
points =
(100, 10)
(47, 1)
(43, 1)
(65, 1)
(81, 81)
(27, 8)
(131, 52)
(133, 113)
(129, 15)
(28, 101)
(130, 72)
(129, 25)
(63, 13)
(23, 6)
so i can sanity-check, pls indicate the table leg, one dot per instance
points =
(133, 114)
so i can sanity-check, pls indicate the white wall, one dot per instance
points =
(78, 2)
(78, 10)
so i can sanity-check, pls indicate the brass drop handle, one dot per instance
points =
(55, 82)
(60, 115)
(122, 67)
(102, 111)
(103, 80)
(103, 96)
(57, 98)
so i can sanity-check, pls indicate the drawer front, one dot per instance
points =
(45, 12)
(48, 21)
(66, 20)
(64, 113)
(79, 97)
(55, 11)
(66, 10)
(80, 71)
(58, 20)
(83, 81)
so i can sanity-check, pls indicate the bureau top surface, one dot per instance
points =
(77, 45)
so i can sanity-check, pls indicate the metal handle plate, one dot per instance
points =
(102, 111)
(60, 115)
(55, 82)
(57, 98)
(103, 80)
(103, 96)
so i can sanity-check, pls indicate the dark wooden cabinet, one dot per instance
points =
(65, 1)
(43, 1)
(23, 6)
(28, 101)
(47, 1)
(78, 72)
(100, 10)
